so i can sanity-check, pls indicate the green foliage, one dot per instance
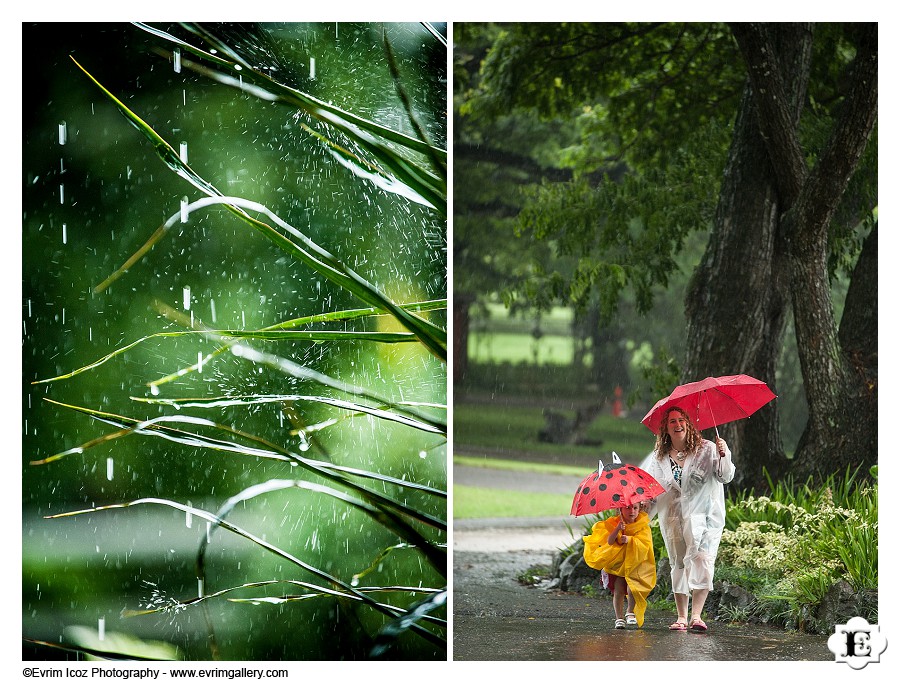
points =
(803, 539)
(533, 575)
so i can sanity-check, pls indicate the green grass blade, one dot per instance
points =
(90, 652)
(158, 427)
(303, 100)
(354, 408)
(391, 632)
(377, 512)
(209, 517)
(361, 131)
(335, 316)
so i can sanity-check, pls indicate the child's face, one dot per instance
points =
(630, 513)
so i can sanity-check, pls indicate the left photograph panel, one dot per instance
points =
(234, 342)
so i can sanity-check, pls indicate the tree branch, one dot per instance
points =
(776, 123)
(826, 184)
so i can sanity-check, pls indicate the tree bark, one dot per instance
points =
(461, 304)
(737, 303)
(840, 429)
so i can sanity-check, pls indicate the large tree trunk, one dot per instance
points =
(840, 431)
(461, 304)
(737, 302)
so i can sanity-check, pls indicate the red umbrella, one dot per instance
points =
(713, 401)
(614, 486)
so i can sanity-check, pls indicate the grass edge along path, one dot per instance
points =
(474, 502)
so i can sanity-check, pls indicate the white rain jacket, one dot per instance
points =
(692, 513)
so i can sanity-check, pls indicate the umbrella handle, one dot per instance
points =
(715, 426)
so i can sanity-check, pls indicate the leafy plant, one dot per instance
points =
(802, 539)
(408, 167)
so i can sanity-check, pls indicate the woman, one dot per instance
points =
(691, 511)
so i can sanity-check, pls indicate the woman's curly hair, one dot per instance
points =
(692, 439)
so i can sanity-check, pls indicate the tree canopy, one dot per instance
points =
(671, 131)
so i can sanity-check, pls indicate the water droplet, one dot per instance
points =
(109, 469)
(101, 628)
(184, 210)
(63, 133)
(212, 309)
(423, 454)
(200, 588)
(199, 361)
(63, 228)
(176, 60)
(62, 194)
(312, 68)
(154, 389)
(182, 153)
(186, 295)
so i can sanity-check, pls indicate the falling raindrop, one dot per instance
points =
(63, 133)
(109, 469)
(188, 520)
(212, 309)
(199, 361)
(63, 229)
(62, 194)
(176, 60)
(182, 153)
(186, 294)
(200, 588)
(312, 68)
(184, 210)
(101, 628)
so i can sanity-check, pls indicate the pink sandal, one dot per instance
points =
(698, 625)
(678, 626)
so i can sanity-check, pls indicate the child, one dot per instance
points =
(622, 546)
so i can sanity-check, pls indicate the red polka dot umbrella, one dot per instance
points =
(612, 486)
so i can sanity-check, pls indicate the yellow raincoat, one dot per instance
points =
(634, 560)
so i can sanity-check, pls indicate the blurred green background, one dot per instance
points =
(94, 191)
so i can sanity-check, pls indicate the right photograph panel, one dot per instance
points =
(665, 316)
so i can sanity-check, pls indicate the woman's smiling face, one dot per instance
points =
(676, 425)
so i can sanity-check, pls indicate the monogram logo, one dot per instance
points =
(857, 643)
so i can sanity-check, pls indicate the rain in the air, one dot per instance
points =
(234, 342)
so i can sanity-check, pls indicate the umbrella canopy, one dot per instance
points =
(614, 486)
(713, 401)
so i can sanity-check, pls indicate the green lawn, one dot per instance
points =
(501, 429)
(471, 502)
(516, 428)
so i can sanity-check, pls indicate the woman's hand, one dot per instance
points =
(721, 446)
